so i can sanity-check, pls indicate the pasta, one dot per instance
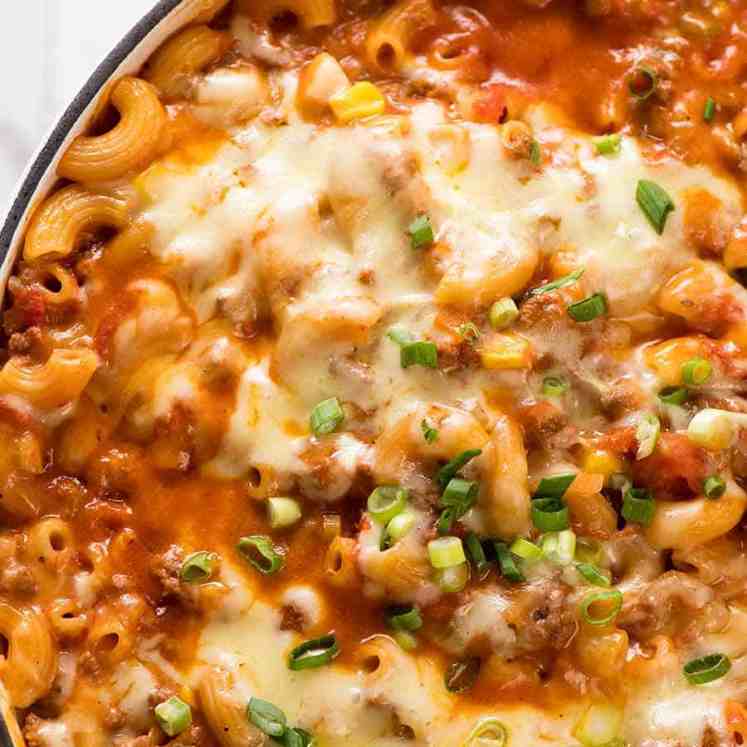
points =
(374, 374)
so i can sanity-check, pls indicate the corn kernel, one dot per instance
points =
(602, 462)
(506, 351)
(361, 100)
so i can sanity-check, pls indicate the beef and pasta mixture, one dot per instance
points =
(376, 375)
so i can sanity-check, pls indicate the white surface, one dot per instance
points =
(47, 50)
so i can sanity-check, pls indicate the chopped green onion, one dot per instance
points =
(429, 434)
(555, 486)
(503, 313)
(674, 395)
(709, 110)
(608, 145)
(612, 601)
(588, 309)
(404, 618)
(452, 579)
(326, 417)
(559, 283)
(419, 353)
(314, 653)
(450, 470)
(406, 641)
(297, 738)
(462, 675)
(638, 506)
(600, 726)
(469, 332)
(489, 732)
(400, 335)
(446, 552)
(696, 371)
(509, 569)
(268, 718)
(706, 669)
(647, 435)
(559, 547)
(198, 567)
(550, 514)
(535, 153)
(714, 487)
(588, 550)
(259, 551)
(643, 82)
(400, 525)
(460, 494)
(284, 512)
(446, 520)
(554, 386)
(173, 716)
(593, 574)
(525, 549)
(476, 553)
(655, 203)
(421, 232)
(386, 502)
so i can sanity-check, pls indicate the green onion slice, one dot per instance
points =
(446, 520)
(559, 547)
(326, 417)
(709, 110)
(674, 395)
(643, 82)
(446, 552)
(469, 332)
(647, 435)
(655, 203)
(386, 502)
(462, 675)
(509, 570)
(421, 232)
(460, 494)
(550, 514)
(404, 618)
(535, 153)
(406, 641)
(476, 553)
(610, 600)
(283, 512)
(297, 738)
(198, 567)
(173, 716)
(489, 732)
(452, 579)
(706, 669)
(314, 653)
(593, 574)
(589, 309)
(400, 335)
(554, 386)
(429, 434)
(525, 549)
(450, 470)
(268, 718)
(638, 506)
(559, 283)
(696, 371)
(608, 145)
(419, 353)
(555, 486)
(398, 527)
(503, 313)
(260, 552)
(714, 487)
(588, 550)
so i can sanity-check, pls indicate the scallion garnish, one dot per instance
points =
(421, 353)
(314, 653)
(638, 506)
(607, 145)
(655, 203)
(461, 675)
(400, 335)
(404, 618)
(507, 564)
(714, 487)
(555, 486)
(489, 732)
(525, 549)
(259, 551)
(283, 512)
(709, 110)
(385, 502)
(611, 602)
(592, 574)
(326, 417)
(421, 232)
(554, 386)
(706, 669)
(476, 553)
(589, 309)
(198, 567)
(458, 497)
(643, 82)
(268, 718)
(173, 716)
(647, 435)
(566, 280)
(449, 470)
(535, 153)
(696, 371)
(446, 552)
(429, 434)
(296, 737)
(503, 313)
(674, 395)
(469, 332)
(452, 579)
(398, 527)
(550, 514)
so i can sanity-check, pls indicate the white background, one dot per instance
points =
(47, 50)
